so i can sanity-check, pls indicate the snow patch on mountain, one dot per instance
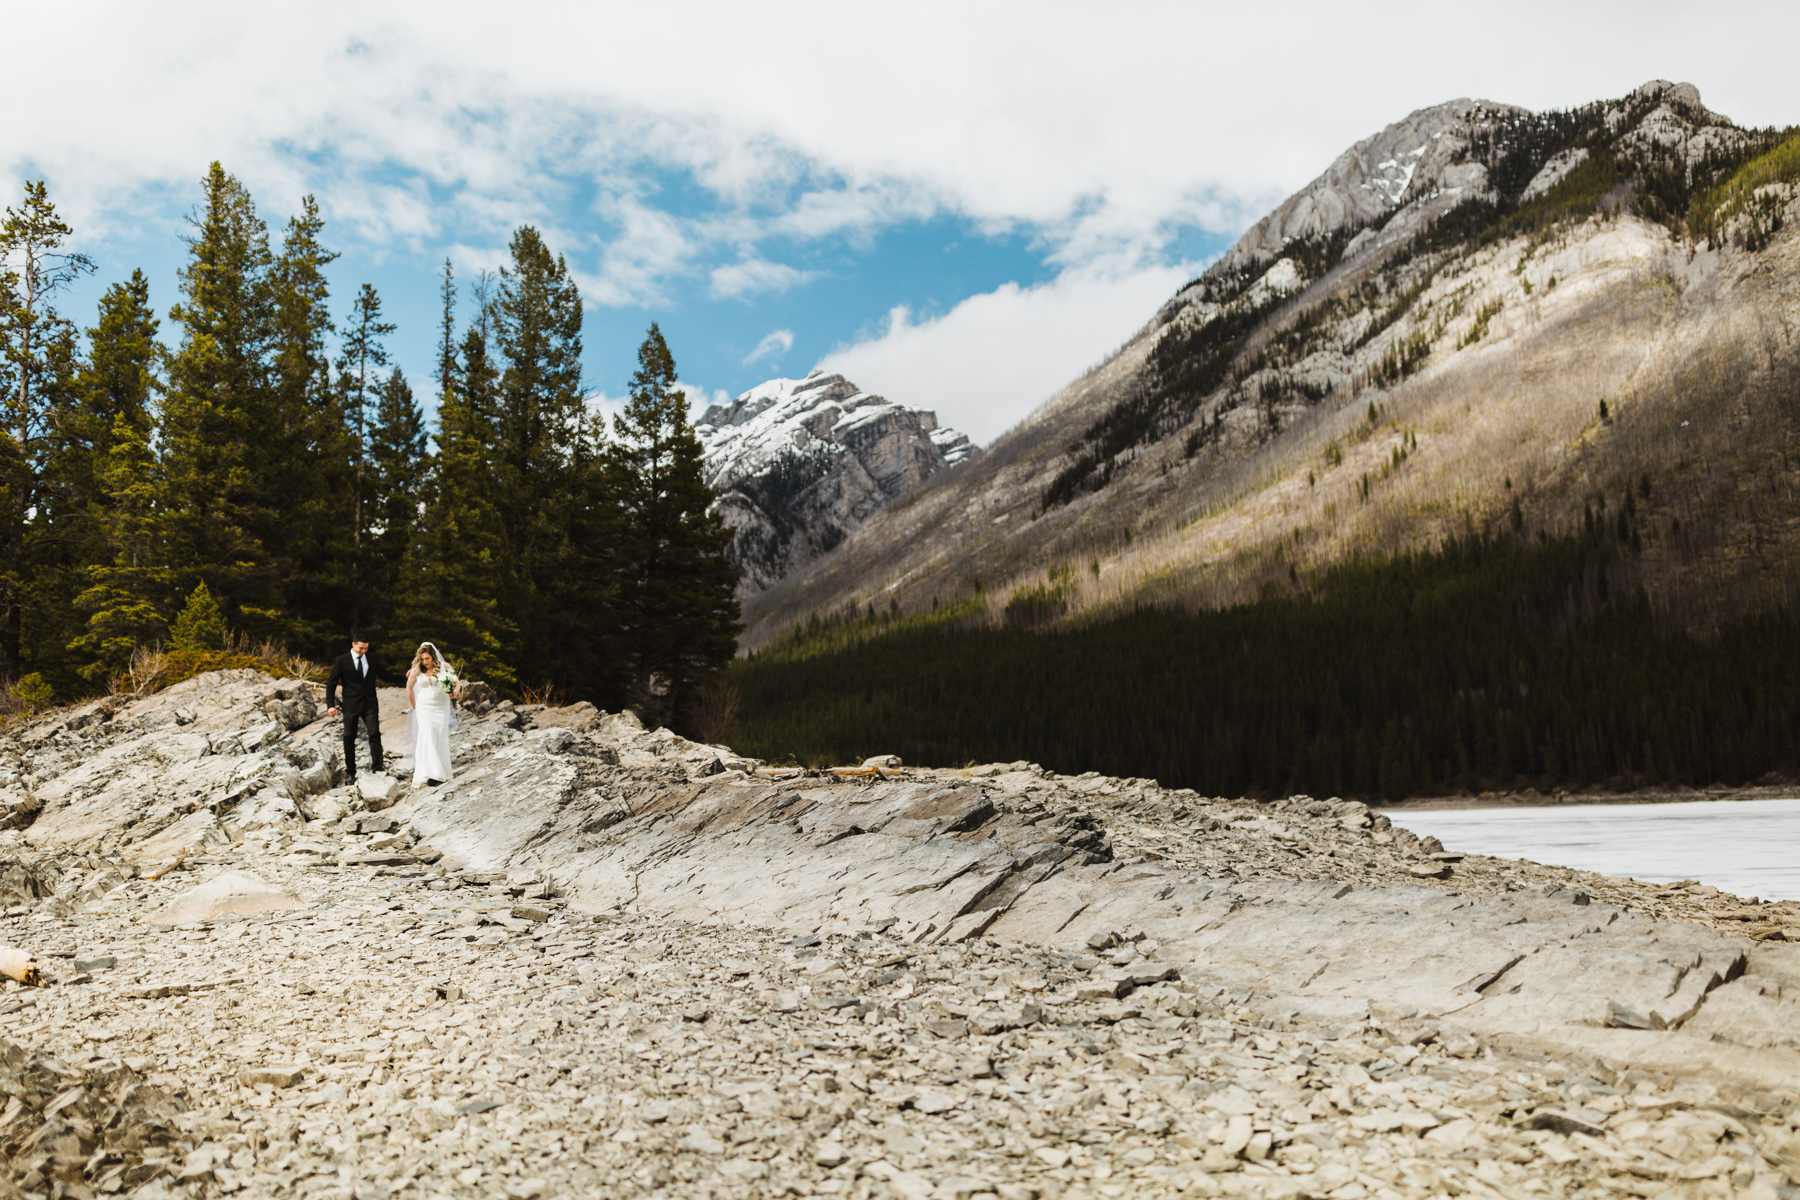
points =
(799, 464)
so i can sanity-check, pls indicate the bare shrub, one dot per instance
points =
(154, 668)
(546, 694)
(713, 718)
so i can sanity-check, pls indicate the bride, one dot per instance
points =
(430, 686)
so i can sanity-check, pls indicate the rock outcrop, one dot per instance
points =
(1415, 169)
(608, 957)
(800, 464)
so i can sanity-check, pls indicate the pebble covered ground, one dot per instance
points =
(366, 1016)
(413, 1030)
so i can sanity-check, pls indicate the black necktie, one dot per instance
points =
(360, 668)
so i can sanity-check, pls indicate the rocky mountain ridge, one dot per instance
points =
(1414, 169)
(606, 956)
(799, 464)
(1416, 342)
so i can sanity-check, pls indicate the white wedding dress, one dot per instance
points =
(431, 730)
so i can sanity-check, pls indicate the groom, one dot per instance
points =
(356, 673)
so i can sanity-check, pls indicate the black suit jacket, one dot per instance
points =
(359, 692)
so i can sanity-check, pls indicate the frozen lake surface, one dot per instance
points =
(1751, 847)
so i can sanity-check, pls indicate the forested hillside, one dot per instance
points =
(259, 466)
(1492, 663)
(1475, 464)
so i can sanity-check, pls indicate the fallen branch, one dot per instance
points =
(861, 773)
(18, 964)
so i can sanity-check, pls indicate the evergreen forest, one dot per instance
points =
(1497, 661)
(247, 468)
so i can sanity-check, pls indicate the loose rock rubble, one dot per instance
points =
(608, 961)
(72, 1131)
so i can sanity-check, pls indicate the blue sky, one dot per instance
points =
(729, 327)
(961, 205)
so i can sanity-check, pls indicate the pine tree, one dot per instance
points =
(122, 375)
(537, 330)
(201, 626)
(125, 575)
(478, 371)
(450, 590)
(397, 466)
(583, 591)
(313, 461)
(124, 600)
(118, 380)
(363, 355)
(216, 404)
(36, 361)
(680, 612)
(63, 536)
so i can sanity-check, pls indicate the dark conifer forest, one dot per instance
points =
(245, 468)
(1494, 662)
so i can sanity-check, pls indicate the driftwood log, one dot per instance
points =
(869, 770)
(18, 964)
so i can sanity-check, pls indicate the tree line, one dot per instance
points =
(1497, 661)
(272, 461)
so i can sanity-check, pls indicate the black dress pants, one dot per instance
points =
(370, 719)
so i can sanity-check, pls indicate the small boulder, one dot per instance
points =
(890, 762)
(578, 716)
(264, 809)
(378, 791)
(555, 741)
(232, 894)
(326, 809)
(477, 697)
(292, 709)
(265, 734)
(307, 781)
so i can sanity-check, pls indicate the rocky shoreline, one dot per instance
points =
(606, 960)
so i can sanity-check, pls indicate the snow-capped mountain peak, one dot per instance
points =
(801, 463)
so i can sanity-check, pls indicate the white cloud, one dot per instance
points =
(855, 210)
(774, 344)
(649, 248)
(1091, 127)
(752, 275)
(994, 358)
(473, 260)
(604, 406)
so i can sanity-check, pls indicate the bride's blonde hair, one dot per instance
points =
(419, 658)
